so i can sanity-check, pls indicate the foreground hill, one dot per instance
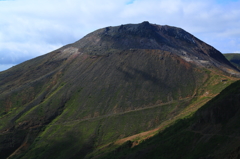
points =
(113, 83)
(234, 59)
(212, 132)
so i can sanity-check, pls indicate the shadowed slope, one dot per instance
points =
(234, 59)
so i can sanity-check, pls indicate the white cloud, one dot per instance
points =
(31, 28)
(237, 52)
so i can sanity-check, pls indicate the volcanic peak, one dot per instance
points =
(145, 35)
(136, 36)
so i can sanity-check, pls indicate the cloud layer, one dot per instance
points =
(32, 28)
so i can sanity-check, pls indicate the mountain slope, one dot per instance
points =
(113, 83)
(234, 59)
(212, 132)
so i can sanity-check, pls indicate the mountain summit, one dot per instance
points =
(113, 83)
(158, 37)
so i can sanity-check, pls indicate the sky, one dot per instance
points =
(32, 28)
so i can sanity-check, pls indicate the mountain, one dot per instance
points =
(113, 83)
(234, 59)
(211, 133)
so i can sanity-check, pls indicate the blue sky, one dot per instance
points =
(33, 28)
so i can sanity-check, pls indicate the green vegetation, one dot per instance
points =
(203, 135)
(234, 59)
(115, 104)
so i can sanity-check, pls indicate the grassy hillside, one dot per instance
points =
(100, 103)
(212, 132)
(234, 59)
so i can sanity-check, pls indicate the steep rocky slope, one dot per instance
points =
(113, 83)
